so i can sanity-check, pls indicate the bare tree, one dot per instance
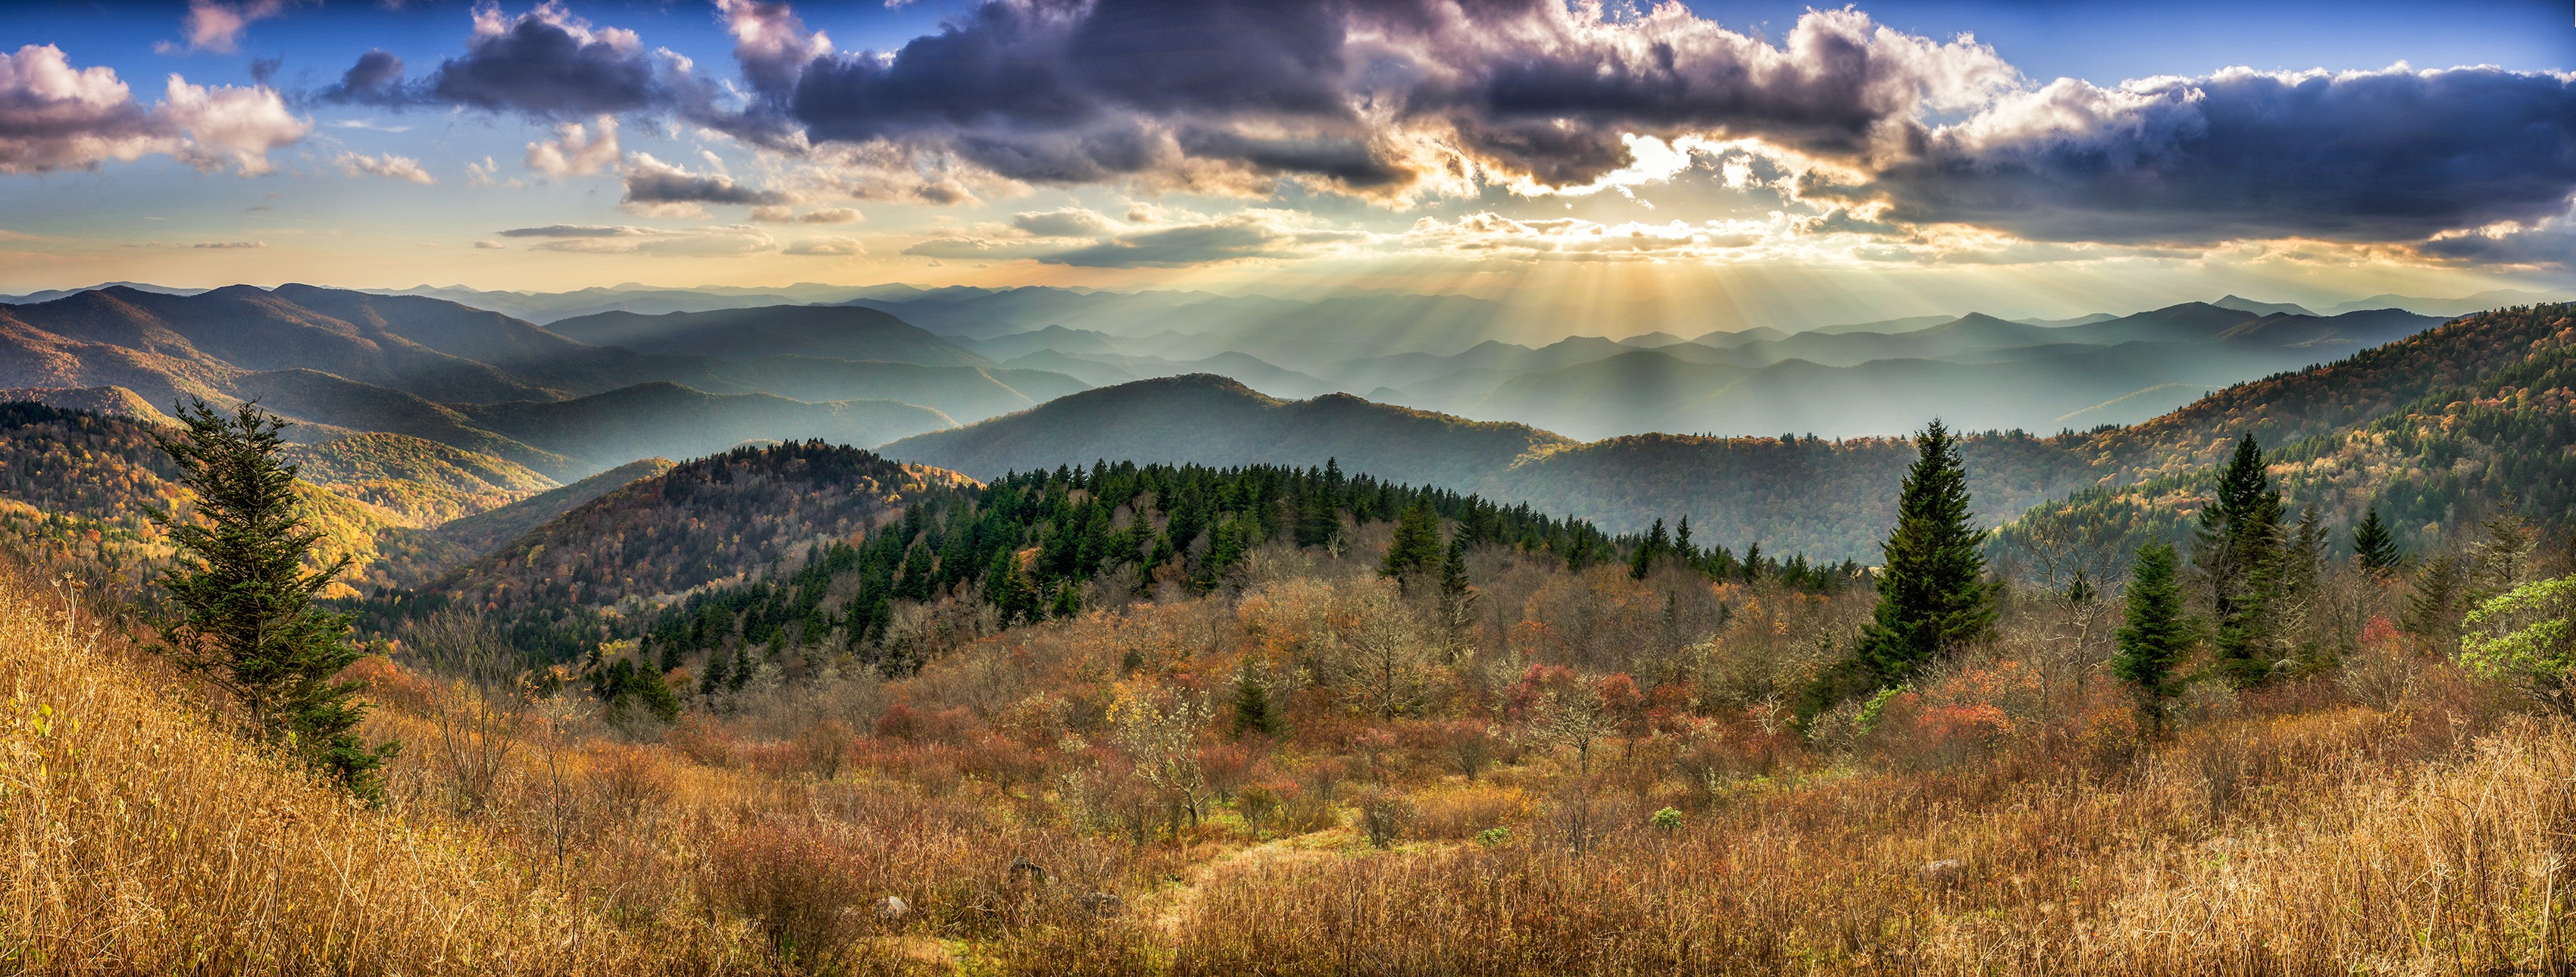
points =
(1158, 730)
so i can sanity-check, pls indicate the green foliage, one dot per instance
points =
(2439, 601)
(2154, 638)
(1933, 597)
(1416, 544)
(1667, 819)
(2374, 548)
(1253, 710)
(244, 617)
(2239, 554)
(625, 685)
(2528, 635)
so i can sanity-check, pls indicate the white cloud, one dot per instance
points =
(723, 240)
(212, 25)
(575, 150)
(388, 166)
(835, 246)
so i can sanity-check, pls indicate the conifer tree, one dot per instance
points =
(1416, 546)
(2154, 638)
(1453, 569)
(1253, 712)
(244, 616)
(2440, 600)
(1933, 597)
(1225, 549)
(2374, 547)
(1009, 589)
(1654, 545)
(2238, 555)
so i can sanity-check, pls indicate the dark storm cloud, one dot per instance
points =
(2393, 155)
(1062, 91)
(377, 79)
(549, 64)
(1400, 99)
(650, 181)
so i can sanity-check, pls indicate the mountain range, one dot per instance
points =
(343, 362)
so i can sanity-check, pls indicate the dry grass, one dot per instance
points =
(2313, 829)
(143, 839)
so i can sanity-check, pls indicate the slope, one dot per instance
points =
(670, 420)
(840, 332)
(1211, 420)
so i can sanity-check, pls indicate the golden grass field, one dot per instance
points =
(2299, 831)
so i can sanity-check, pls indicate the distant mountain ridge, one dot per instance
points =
(345, 362)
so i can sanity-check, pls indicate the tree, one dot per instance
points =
(1253, 712)
(1416, 546)
(2374, 547)
(2434, 610)
(1932, 595)
(2528, 635)
(244, 616)
(2155, 636)
(1654, 545)
(2238, 554)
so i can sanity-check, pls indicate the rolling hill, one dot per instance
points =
(1212, 420)
(666, 419)
(838, 332)
(711, 519)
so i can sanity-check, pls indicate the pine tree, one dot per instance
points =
(2238, 555)
(1009, 590)
(245, 619)
(1225, 550)
(2374, 547)
(2154, 638)
(1453, 569)
(1932, 595)
(2440, 600)
(1253, 712)
(1654, 545)
(1416, 546)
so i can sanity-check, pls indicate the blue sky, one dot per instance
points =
(1767, 160)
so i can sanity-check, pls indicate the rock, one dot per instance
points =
(892, 908)
(1946, 872)
(1024, 870)
(1101, 903)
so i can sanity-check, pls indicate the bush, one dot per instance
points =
(1384, 816)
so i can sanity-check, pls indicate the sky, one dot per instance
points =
(1753, 163)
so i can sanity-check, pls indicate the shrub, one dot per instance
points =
(1384, 816)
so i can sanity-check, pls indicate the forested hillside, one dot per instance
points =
(1206, 419)
(714, 518)
(2439, 429)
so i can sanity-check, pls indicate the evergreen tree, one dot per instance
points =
(2080, 592)
(2154, 638)
(2440, 600)
(914, 581)
(2374, 547)
(717, 679)
(1416, 546)
(1932, 593)
(1253, 712)
(244, 615)
(1009, 590)
(1654, 545)
(1319, 522)
(2238, 553)
(1453, 569)
(1225, 550)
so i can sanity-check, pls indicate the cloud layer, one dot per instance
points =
(54, 116)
